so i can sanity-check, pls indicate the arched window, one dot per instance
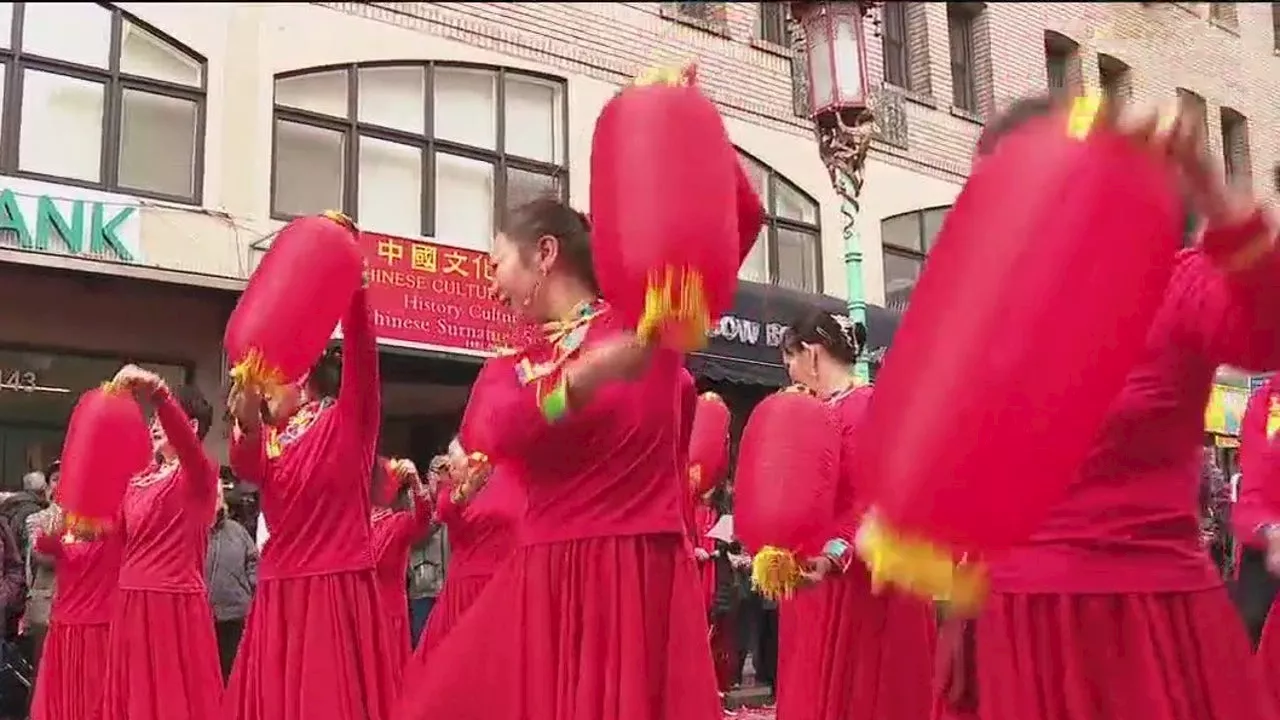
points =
(789, 250)
(906, 239)
(94, 97)
(432, 149)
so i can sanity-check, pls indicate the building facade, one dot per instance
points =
(956, 63)
(149, 152)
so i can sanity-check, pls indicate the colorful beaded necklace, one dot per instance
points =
(299, 423)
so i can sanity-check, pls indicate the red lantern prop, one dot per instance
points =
(750, 213)
(489, 392)
(295, 298)
(708, 443)
(785, 488)
(1033, 309)
(665, 209)
(108, 443)
(1260, 441)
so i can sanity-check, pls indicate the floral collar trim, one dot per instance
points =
(299, 423)
(843, 393)
(158, 472)
(565, 338)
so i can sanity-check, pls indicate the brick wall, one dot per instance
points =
(1228, 60)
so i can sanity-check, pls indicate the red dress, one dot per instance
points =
(1113, 610)
(315, 645)
(69, 686)
(162, 662)
(844, 652)
(482, 536)
(394, 534)
(597, 616)
(1257, 507)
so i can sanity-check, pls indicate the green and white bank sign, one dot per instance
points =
(63, 220)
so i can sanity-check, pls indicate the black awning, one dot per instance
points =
(744, 347)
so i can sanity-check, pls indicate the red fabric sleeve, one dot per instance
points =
(418, 519)
(849, 509)
(247, 455)
(502, 418)
(200, 473)
(360, 397)
(447, 511)
(1259, 468)
(1230, 314)
(49, 545)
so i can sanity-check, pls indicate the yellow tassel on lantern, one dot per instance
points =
(340, 218)
(776, 573)
(254, 373)
(1083, 115)
(677, 316)
(919, 567)
(675, 76)
(82, 527)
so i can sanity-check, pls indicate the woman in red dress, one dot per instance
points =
(597, 616)
(69, 684)
(845, 652)
(315, 643)
(395, 532)
(1113, 610)
(481, 514)
(162, 662)
(1255, 522)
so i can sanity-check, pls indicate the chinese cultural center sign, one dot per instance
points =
(435, 297)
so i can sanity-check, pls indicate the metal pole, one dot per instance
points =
(843, 140)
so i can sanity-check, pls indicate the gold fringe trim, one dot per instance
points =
(83, 527)
(671, 75)
(776, 573)
(1084, 114)
(919, 567)
(340, 218)
(676, 314)
(253, 372)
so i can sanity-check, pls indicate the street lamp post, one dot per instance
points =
(829, 40)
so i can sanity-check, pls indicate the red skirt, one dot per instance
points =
(848, 654)
(162, 658)
(314, 648)
(1156, 656)
(609, 628)
(456, 597)
(69, 684)
(397, 626)
(1268, 656)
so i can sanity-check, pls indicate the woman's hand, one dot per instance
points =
(819, 568)
(245, 405)
(134, 378)
(1177, 131)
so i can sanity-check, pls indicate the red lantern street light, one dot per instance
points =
(835, 58)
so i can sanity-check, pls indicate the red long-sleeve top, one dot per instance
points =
(314, 475)
(484, 531)
(87, 573)
(850, 407)
(394, 534)
(167, 512)
(1129, 523)
(606, 469)
(1259, 468)
(686, 409)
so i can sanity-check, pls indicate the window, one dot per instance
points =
(1193, 99)
(1235, 145)
(1224, 13)
(709, 16)
(961, 22)
(788, 251)
(906, 240)
(1275, 25)
(1061, 61)
(95, 98)
(421, 149)
(893, 38)
(1114, 78)
(773, 23)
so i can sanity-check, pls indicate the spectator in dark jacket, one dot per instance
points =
(231, 572)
